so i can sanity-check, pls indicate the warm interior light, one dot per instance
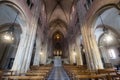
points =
(57, 36)
(74, 53)
(57, 52)
(54, 52)
(8, 37)
(108, 38)
(74, 56)
(112, 53)
(60, 52)
(41, 53)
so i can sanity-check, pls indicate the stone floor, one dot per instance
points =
(58, 73)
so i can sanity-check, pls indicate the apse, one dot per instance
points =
(58, 43)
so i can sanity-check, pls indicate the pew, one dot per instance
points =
(35, 73)
(1, 73)
(8, 72)
(96, 77)
(112, 74)
(81, 72)
(24, 78)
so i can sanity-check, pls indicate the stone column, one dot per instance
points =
(31, 39)
(43, 57)
(78, 51)
(46, 52)
(70, 54)
(81, 13)
(92, 53)
(104, 54)
(20, 52)
(99, 64)
(90, 45)
(88, 59)
(29, 48)
(24, 52)
(38, 50)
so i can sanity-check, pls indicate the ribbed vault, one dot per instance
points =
(60, 20)
(58, 9)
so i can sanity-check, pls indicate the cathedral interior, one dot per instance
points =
(59, 39)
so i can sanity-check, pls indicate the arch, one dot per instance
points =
(109, 28)
(17, 8)
(96, 9)
(116, 36)
(58, 21)
(99, 10)
(14, 5)
(9, 48)
(58, 42)
(57, 25)
(108, 19)
(109, 47)
(58, 34)
(88, 31)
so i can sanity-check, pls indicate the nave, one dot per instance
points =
(81, 36)
(65, 72)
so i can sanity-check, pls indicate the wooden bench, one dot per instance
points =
(8, 73)
(36, 73)
(1, 73)
(40, 67)
(96, 77)
(111, 73)
(24, 77)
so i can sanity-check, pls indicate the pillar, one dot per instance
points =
(92, 52)
(104, 54)
(33, 24)
(78, 51)
(29, 48)
(20, 52)
(70, 53)
(37, 52)
(44, 55)
(86, 44)
(91, 49)
(96, 52)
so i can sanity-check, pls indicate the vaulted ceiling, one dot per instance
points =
(58, 14)
(58, 9)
